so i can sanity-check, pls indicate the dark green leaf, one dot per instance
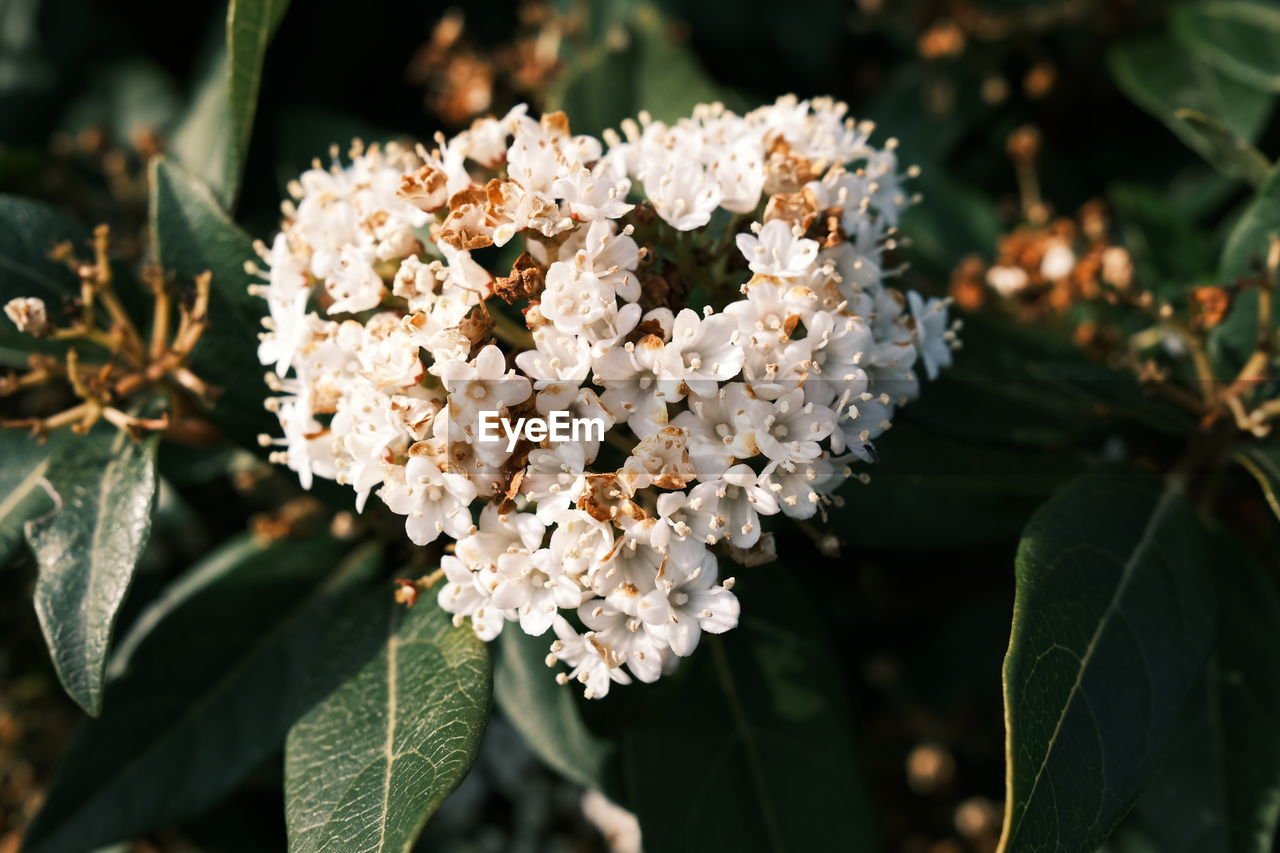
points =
(597, 90)
(1170, 250)
(669, 80)
(757, 728)
(24, 462)
(1246, 246)
(374, 758)
(204, 688)
(250, 26)
(191, 234)
(958, 220)
(1244, 255)
(644, 69)
(204, 139)
(1262, 460)
(104, 485)
(545, 712)
(971, 491)
(1240, 39)
(1225, 151)
(212, 140)
(1162, 78)
(1112, 621)
(1219, 787)
(28, 232)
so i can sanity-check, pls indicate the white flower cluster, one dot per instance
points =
(399, 340)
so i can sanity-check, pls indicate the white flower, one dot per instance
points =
(682, 194)
(792, 428)
(641, 646)
(593, 664)
(735, 503)
(465, 593)
(722, 428)
(433, 501)
(597, 193)
(703, 352)
(686, 605)
(933, 336)
(354, 285)
(483, 384)
(579, 542)
(287, 294)
(637, 385)
(775, 251)
(536, 587)
(554, 479)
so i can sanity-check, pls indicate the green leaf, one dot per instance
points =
(203, 140)
(1225, 151)
(1263, 462)
(1240, 39)
(1246, 246)
(24, 462)
(972, 491)
(1170, 250)
(250, 26)
(958, 220)
(1112, 620)
(191, 234)
(636, 67)
(374, 758)
(204, 688)
(212, 140)
(545, 713)
(597, 90)
(1244, 255)
(1163, 78)
(103, 484)
(756, 726)
(1219, 787)
(28, 232)
(669, 80)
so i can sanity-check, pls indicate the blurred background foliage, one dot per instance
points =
(920, 582)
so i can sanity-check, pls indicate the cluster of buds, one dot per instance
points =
(122, 369)
(630, 351)
(1049, 268)
(1067, 269)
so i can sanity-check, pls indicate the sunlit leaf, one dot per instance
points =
(185, 720)
(103, 485)
(375, 757)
